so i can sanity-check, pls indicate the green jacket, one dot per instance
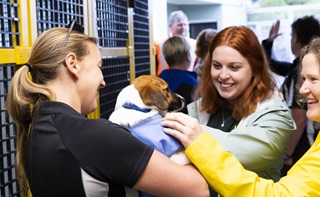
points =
(260, 140)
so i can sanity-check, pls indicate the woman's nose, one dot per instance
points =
(224, 73)
(103, 84)
(304, 89)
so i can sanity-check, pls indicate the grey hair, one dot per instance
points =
(177, 15)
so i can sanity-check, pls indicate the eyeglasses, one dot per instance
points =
(73, 25)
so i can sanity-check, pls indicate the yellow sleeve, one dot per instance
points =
(227, 176)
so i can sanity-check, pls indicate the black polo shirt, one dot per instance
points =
(65, 148)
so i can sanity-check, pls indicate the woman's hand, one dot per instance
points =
(182, 126)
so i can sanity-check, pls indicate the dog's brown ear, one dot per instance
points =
(156, 98)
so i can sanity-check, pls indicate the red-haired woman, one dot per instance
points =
(239, 104)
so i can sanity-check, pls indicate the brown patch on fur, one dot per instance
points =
(154, 91)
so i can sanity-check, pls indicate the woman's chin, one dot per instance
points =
(313, 116)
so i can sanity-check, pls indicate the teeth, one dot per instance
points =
(312, 101)
(226, 85)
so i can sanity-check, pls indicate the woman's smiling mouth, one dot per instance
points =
(226, 85)
(312, 101)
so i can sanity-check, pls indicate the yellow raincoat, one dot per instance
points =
(227, 176)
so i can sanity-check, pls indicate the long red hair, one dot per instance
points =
(262, 85)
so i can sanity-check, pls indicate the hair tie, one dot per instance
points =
(29, 67)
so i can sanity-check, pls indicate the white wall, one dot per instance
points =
(225, 14)
(158, 10)
(203, 13)
(232, 15)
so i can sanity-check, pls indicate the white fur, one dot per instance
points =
(127, 117)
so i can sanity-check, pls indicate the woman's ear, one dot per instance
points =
(72, 65)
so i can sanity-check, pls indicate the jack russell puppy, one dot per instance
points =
(140, 108)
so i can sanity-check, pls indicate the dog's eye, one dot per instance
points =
(167, 89)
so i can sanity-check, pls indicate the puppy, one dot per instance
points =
(140, 108)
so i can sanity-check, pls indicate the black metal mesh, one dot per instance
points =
(141, 37)
(113, 33)
(9, 181)
(58, 13)
(112, 28)
(116, 75)
(8, 24)
(112, 22)
(9, 37)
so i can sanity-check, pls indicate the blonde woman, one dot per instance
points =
(65, 154)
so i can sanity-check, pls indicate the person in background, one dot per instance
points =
(63, 153)
(176, 51)
(178, 24)
(225, 173)
(204, 39)
(304, 29)
(240, 104)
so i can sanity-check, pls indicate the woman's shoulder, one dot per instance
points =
(274, 102)
(272, 108)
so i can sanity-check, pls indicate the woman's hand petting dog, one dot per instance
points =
(182, 127)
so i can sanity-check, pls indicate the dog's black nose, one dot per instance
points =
(178, 104)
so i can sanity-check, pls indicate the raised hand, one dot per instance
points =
(274, 31)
